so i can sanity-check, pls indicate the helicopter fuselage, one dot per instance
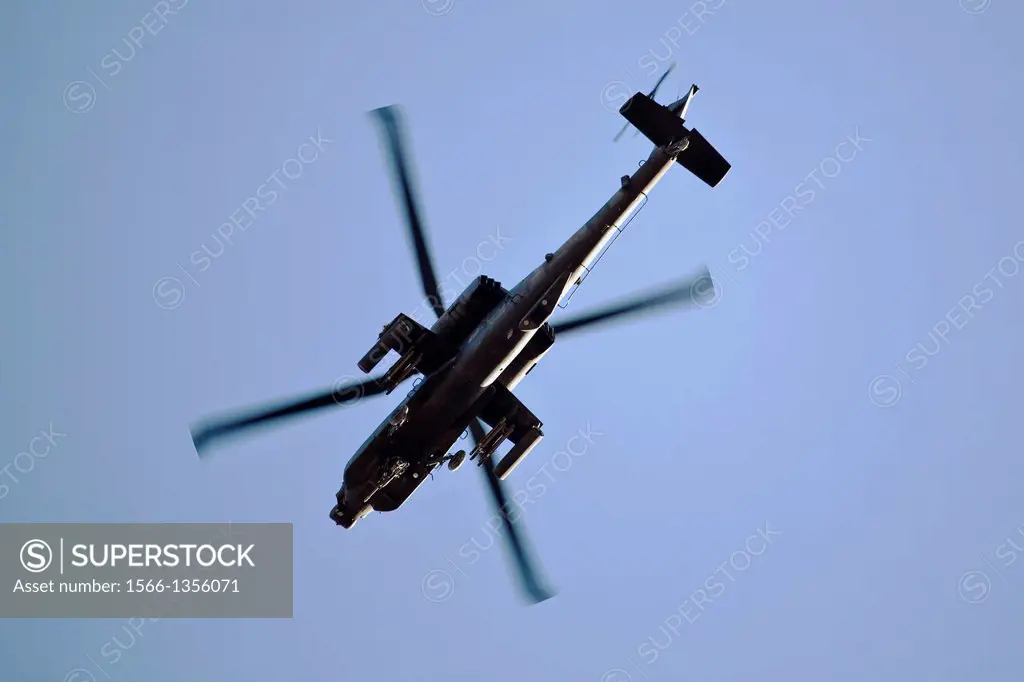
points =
(495, 355)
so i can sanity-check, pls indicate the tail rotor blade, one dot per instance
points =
(389, 118)
(651, 94)
(661, 80)
(527, 575)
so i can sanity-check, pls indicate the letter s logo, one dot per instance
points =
(79, 97)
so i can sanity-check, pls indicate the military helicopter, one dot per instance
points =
(484, 343)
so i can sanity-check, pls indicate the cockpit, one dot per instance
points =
(393, 422)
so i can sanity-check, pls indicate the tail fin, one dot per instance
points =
(664, 125)
(680, 106)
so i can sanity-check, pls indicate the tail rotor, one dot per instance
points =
(651, 94)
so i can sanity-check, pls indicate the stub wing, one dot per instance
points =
(504, 410)
(703, 160)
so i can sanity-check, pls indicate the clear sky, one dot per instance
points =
(707, 424)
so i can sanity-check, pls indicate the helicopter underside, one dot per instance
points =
(382, 480)
(390, 468)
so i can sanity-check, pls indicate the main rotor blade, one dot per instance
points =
(389, 118)
(528, 580)
(476, 429)
(215, 429)
(692, 290)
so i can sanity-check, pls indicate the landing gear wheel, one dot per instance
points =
(456, 461)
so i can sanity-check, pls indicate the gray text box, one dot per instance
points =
(146, 570)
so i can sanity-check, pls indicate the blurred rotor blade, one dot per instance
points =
(696, 290)
(661, 80)
(651, 94)
(476, 428)
(624, 128)
(390, 120)
(210, 430)
(525, 572)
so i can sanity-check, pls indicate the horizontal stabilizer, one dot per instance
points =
(657, 123)
(703, 160)
(663, 127)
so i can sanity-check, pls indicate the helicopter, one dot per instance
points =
(484, 343)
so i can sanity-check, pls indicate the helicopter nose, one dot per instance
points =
(341, 518)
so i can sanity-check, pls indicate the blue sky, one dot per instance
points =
(709, 427)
